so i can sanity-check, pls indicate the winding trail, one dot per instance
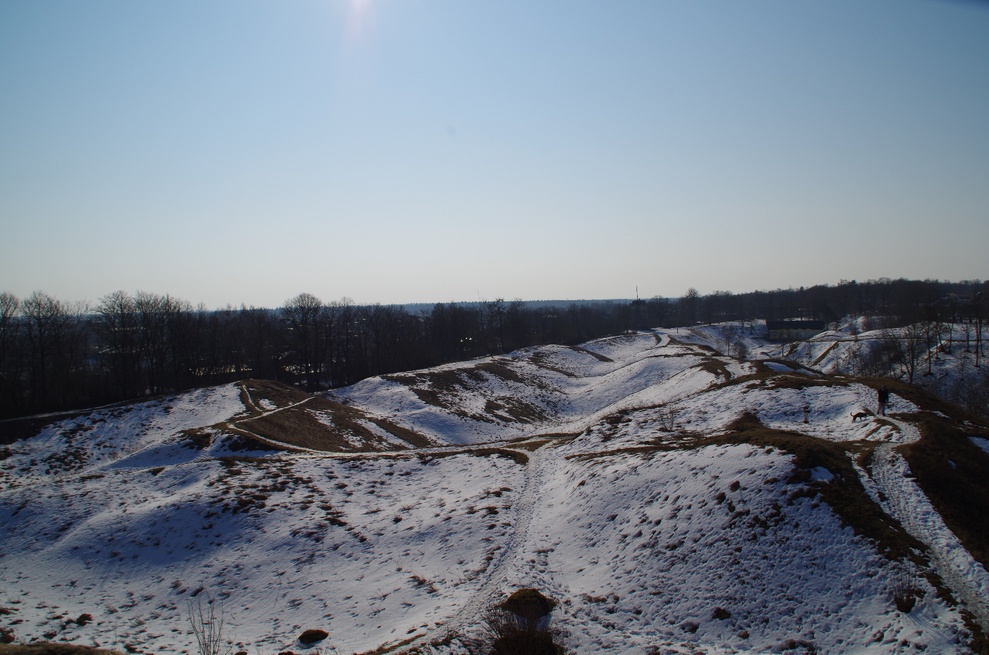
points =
(484, 598)
(492, 589)
(906, 502)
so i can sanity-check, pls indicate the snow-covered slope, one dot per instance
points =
(668, 498)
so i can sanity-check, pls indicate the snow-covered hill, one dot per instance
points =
(670, 499)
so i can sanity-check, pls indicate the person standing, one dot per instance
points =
(883, 399)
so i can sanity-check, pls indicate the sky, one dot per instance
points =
(234, 152)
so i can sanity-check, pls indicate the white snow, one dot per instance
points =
(650, 539)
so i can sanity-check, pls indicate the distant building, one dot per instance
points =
(794, 330)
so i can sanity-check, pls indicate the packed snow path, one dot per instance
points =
(492, 590)
(902, 499)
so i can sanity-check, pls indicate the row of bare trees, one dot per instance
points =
(900, 301)
(341, 343)
(55, 355)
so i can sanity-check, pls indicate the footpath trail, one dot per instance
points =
(907, 503)
(492, 588)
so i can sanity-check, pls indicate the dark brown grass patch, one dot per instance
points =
(435, 388)
(498, 370)
(507, 408)
(541, 360)
(53, 649)
(514, 455)
(276, 393)
(327, 425)
(16, 429)
(597, 356)
(197, 438)
(715, 367)
(952, 471)
(537, 441)
(310, 637)
(844, 493)
(405, 434)
(445, 388)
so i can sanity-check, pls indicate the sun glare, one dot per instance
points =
(357, 17)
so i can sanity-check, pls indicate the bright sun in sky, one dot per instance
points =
(245, 152)
(357, 17)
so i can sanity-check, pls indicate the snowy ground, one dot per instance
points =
(601, 493)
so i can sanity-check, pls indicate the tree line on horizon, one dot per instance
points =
(58, 356)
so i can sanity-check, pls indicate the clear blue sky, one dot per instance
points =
(394, 151)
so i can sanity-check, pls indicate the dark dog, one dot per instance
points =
(857, 415)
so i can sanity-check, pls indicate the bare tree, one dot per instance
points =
(164, 340)
(979, 308)
(308, 333)
(10, 354)
(117, 329)
(47, 327)
(494, 313)
(8, 313)
(913, 339)
(731, 339)
(259, 341)
(688, 306)
(153, 338)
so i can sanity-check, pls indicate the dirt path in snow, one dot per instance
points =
(906, 502)
(237, 424)
(268, 412)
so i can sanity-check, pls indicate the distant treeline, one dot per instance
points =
(57, 356)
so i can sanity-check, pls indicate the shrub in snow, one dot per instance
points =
(530, 606)
(521, 625)
(310, 637)
(905, 594)
(207, 619)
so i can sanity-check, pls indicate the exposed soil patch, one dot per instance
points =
(324, 424)
(597, 356)
(263, 395)
(509, 409)
(53, 649)
(715, 367)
